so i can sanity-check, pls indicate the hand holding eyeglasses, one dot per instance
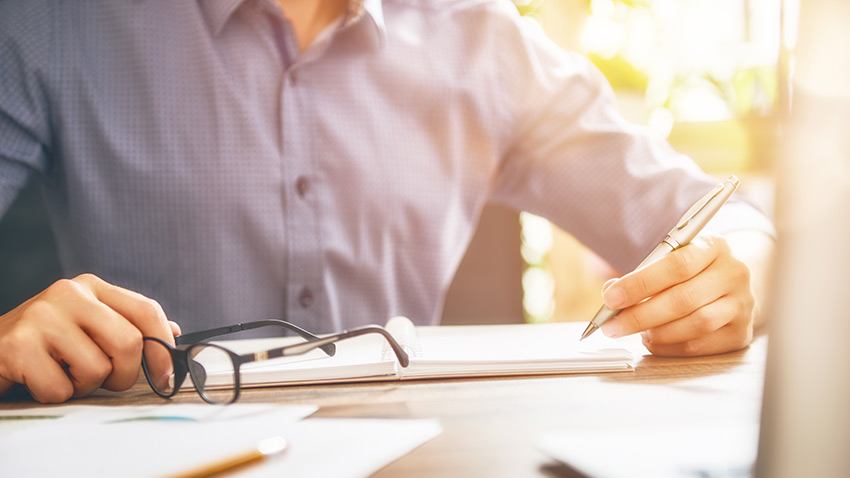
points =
(84, 333)
(76, 336)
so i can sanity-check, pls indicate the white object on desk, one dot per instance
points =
(346, 448)
(319, 447)
(26, 418)
(436, 352)
(688, 450)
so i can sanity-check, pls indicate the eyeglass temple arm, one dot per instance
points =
(195, 337)
(303, 348)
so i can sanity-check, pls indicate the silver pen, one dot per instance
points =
(691, 223)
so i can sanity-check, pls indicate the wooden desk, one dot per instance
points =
(491, 426)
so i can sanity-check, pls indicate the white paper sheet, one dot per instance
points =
(689, 450)
(77, 446)
(437, 352)
(696, 427)
(360, 357)
(168, 411)
(502, 350)
(346, 448)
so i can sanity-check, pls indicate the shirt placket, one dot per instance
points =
(304, 291)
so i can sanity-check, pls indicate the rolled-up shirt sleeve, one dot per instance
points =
(24, 121)
(574, 160)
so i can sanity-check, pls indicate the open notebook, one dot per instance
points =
(435, 352)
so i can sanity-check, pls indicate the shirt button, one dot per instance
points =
(305, 298)
(302, 185)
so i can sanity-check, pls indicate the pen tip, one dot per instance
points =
(591, 328)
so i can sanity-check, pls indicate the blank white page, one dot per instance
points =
(355, 359)
(512, 349)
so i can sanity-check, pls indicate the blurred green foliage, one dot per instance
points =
(621, 73)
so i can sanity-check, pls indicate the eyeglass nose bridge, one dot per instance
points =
(180, 370)
(186, 365)
(198, 374)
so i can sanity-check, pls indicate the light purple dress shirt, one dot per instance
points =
(188, 151)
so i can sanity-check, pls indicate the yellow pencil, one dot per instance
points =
(264, 449)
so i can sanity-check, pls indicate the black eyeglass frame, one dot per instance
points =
(185, 344)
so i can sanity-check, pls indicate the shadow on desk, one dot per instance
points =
(557, 469)
(670, 370)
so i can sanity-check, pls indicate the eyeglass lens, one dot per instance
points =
(211, 368)
(213, 373)
(158, 367)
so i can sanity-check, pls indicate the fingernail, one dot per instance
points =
(612, 329)
(614, 297)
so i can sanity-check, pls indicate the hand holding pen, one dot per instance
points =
(691, 295)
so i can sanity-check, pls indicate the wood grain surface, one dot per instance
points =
(491, 426)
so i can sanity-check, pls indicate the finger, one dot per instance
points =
(144, 313)
(45, 378)
(702, 322)
(87, 365)
(608, 283)
(727, 339)
(119, 340)
(175, 328)
(113, 334)
(674, 268)
(669, 305)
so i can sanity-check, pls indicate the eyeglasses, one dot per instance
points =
(214, 369)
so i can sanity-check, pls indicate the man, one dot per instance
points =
(325, 162)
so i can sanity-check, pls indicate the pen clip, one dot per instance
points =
(699, 206)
